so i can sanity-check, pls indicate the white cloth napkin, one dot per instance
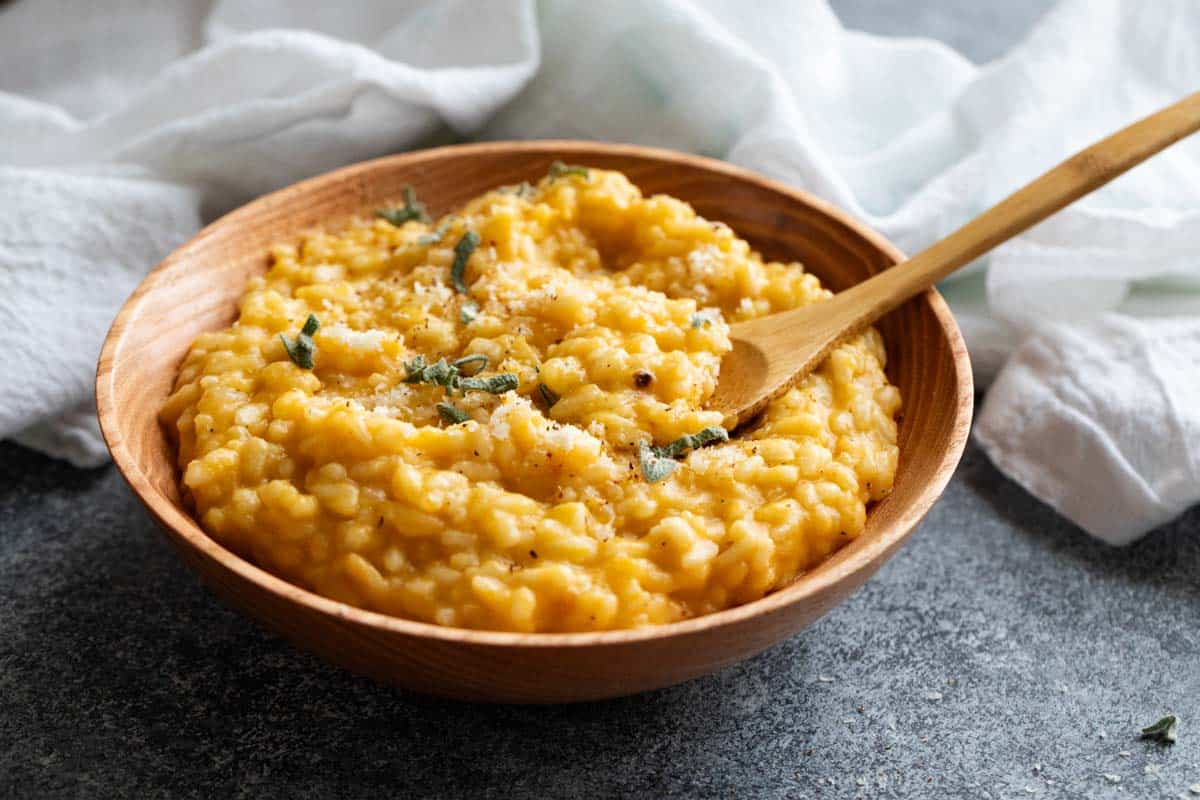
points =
(123, 125)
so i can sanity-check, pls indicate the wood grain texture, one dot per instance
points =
(772, 353)
(196, 289)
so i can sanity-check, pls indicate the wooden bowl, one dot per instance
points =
(196, 288)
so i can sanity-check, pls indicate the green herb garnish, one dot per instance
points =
(301, 349)
(441, 372)
(468, 312)
(700, 321)
(695, 441)
(560, 170)
(311, 325)
(471, 361)
(655, 467)
(452, 414)
(492, 384)
(1165, 730)
(417, 371)
(658, 462)
(449, 375)
(462, 251)
(411, 210)
(548, 395)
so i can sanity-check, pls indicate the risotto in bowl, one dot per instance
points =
(481, 411)
(466, 421)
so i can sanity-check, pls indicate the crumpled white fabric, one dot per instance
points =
(123, 125)
(1111, 396)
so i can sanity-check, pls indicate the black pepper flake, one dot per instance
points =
(642, 379)
(533, 553)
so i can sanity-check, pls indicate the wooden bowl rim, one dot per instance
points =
(184, 529)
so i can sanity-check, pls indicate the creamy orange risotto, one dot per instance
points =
(496, 420)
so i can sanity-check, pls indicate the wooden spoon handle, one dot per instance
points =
(1080, 174)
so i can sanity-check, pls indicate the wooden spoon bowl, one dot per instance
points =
(197, 287)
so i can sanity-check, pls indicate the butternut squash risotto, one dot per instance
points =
(496, 420)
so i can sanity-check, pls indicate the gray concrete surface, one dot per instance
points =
(1001, 653)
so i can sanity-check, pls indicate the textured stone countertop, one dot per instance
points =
(1001, 653)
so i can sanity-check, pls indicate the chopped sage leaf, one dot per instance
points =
(655, 467)
(695, 441)
(468, 312)
(414, 368)
(1165, 730)
(700, 321)
(477, 360)
(548, 395)
(300, 350)
(657, 462)
(438, 373)
(452, 413)
(560, 170)
(462, 251)
(449, 375)
(493, 384)
(412, 209)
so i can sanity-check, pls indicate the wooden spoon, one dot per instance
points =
(770, 354)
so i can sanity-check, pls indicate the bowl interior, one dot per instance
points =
(196, 289)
